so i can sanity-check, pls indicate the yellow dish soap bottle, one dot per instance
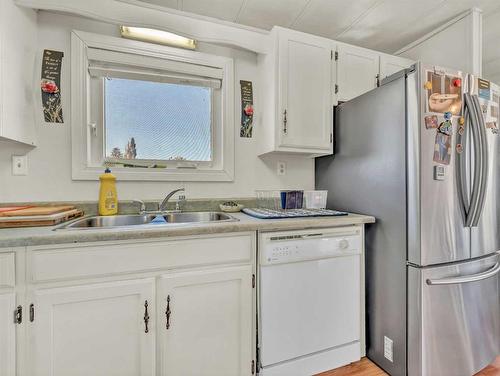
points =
(108, 200)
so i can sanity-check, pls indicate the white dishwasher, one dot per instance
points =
(309, 300)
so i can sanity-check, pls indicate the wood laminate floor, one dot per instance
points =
(365, 367)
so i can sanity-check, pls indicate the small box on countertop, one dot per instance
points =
(315, 199)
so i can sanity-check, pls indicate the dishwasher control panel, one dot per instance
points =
(286, 247)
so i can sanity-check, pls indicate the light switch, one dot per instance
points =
(19, 165)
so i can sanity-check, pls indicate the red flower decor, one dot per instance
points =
(49, 86)
(248, 110)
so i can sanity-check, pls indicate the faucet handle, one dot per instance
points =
(142, 208)
(182, 198)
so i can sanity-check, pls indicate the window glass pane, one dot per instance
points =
(159, 121)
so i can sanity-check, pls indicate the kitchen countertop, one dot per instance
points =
(32, 236)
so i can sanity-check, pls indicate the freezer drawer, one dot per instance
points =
(453, 317)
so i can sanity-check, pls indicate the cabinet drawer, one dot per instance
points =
(85, 261)
(7, 270)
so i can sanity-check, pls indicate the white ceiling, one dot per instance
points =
(383, 25)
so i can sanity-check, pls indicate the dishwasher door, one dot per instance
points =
(454, 317)
(308, 307)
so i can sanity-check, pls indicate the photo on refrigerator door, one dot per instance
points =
(444, 93)
(489, 107)
(495, 105)
(442, 149)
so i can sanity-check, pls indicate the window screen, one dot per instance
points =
(149, 120)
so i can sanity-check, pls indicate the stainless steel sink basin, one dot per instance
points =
(188, 217)
(133, 220)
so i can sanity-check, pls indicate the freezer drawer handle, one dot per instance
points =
(466, 278)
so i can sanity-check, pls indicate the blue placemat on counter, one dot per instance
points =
(291, 213)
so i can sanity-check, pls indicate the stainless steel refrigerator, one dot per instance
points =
(421, 154)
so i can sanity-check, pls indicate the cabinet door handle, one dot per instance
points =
(284, 121)
(168, 312)
(18, 315)
(146, 317)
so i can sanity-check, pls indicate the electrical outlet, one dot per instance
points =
(281, 168)
(388, 346)
(19, 165)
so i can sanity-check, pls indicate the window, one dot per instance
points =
(150, 112)
(154, 121)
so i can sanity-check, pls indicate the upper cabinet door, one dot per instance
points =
(7, 335)
(305, 91)
(18, 54)
(391, 64)
(97, 329)
(357, 71)
(205, 322)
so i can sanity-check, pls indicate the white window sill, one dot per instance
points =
(129, 174)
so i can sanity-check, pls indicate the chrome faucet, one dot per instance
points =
(142, 208)
(163, 204)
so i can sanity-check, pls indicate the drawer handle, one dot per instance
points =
(168, 312)
(146, 317)
(466, 278)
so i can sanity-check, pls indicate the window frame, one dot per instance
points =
(83, 111)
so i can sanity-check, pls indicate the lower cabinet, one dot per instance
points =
(177, 307)
(7, 335)
(99, 329)
(206, 322)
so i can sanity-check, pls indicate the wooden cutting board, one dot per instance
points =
(40, 220)
(37, 210)
(11, 208)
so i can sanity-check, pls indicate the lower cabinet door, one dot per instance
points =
(100, 330)
(205, 322)
(7, 335)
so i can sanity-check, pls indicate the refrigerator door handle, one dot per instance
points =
(463, 189)
(484, 161)
(476, 185)
(466, 278)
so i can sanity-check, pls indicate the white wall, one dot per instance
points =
(491, 50)
(49, 177)
(457, 44)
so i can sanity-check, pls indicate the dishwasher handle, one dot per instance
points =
(315, 235)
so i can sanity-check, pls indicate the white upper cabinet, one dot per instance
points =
(297, 94)
(390, 64)
(357, 71)
(7, 335)
(305, 90)
(18, 38)
(99, 329)
(205, 322)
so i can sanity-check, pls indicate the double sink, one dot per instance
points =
(134, 220)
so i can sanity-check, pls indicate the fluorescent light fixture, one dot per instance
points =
(157, 36)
